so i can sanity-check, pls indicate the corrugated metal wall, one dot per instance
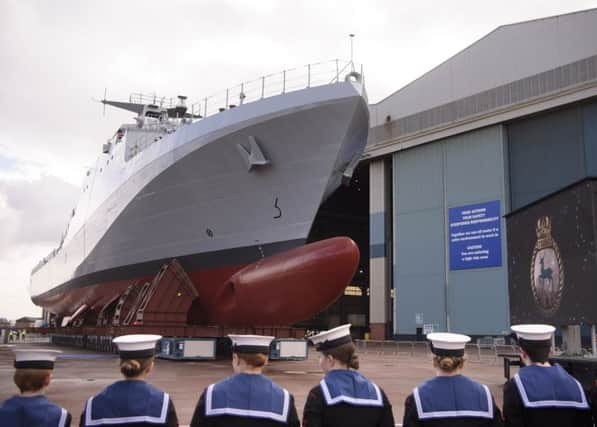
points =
(550, 151)
(590, 137)
(546, 154)
(428, 180)
(419, 259)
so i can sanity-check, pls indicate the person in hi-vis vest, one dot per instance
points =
(344, 397)
(541, 394)
(450, 398)
(132, 402)
(247, 398)
(31, 408)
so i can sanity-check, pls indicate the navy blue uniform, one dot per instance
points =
(245, 400)
(451, 401)
(346, 398)
(129, 403)
(545, 396)
(35, 411)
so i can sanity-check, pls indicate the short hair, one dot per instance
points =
(256, 360)
(31, 379)
(448, 363)
(131, 368)
(345, 353)
(538, 352)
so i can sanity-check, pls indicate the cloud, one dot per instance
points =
(9, 224)
(36, 212)
(33, 215)
(15, 267)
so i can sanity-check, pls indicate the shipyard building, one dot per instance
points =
(481, 199)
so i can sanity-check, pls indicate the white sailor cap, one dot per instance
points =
(448, 344)
(250, 343)
(332, 338)
(136, 346)
(533, 333)
(35, 358)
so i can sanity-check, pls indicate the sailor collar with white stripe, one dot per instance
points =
(348, 386)
(136, 346)
(535, 394)
(36, 407)
(246, 385)
(156, 419)
(481, 407)
(35, 358)
(63, 415)
(332, 338)
(448, 344)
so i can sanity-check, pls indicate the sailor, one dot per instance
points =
(450, 399)
(247, 398)
(132, 401)
(31, 408)
(541, 394)
(344, 397)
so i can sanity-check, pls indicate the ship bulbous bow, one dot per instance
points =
(287, 287)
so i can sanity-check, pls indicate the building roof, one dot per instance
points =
(509, 66)
(28, 319)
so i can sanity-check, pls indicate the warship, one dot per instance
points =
(228, 187)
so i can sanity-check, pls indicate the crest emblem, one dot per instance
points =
(547, 269)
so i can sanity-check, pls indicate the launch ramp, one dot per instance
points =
(162, 301)
(165, 300)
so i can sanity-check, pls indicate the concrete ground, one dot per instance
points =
(79, 374)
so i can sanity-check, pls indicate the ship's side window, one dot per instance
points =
(119, 135)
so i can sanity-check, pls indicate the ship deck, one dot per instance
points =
(81, 373)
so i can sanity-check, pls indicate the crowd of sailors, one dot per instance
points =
(540, 394)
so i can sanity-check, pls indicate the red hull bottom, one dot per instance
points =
(277, 290)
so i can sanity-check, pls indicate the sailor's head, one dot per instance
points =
(448, 350)
(136, 353)
(249, 352)
(33, 368)
(336, 348)
(534, 341)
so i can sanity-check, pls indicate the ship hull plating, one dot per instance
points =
(277, 290)
(196, 197)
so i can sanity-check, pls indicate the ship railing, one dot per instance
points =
(160, 101)
(289, 80)
(158, 127)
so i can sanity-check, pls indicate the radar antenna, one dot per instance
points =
(104, 100)
(351, 50)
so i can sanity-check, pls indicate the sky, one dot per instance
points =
(57, 56)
